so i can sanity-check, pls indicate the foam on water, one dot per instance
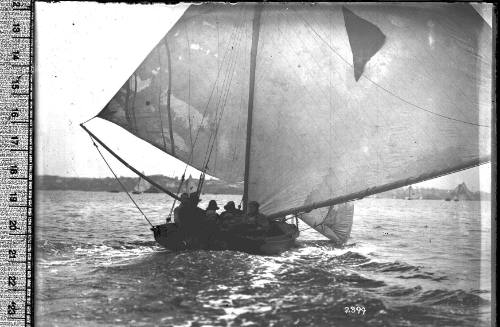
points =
(98, 266)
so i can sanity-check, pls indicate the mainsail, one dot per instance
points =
(349, 100)
(322, 129)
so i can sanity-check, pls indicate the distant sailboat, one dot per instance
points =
(313, 106)
(462, 193)
(411, 194)
(141, 186)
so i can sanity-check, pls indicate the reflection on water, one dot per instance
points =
(408, 263)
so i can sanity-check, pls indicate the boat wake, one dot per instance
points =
(233, 288)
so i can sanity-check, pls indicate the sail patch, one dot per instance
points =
(365, 39)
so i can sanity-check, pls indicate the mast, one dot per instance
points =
(251, 88)
(152, 182)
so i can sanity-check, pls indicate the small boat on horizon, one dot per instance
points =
(142, 186)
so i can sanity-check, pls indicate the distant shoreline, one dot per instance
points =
(109, 184)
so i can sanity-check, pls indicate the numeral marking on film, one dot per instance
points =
(16, 83)
(12, 281)
(12, 308)
(14, 113)
(14, 140)
(16, 28)
(12, 225)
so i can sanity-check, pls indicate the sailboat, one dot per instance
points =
(314, 106)
(410, 194)
(141, 186)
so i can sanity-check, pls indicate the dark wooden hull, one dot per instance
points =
(174, 238)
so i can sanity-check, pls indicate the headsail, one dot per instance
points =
(205, 56)
(349, 99)
(334, 222)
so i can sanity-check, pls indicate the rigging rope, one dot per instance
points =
(222, 101)
(228, 74)
(229, 48)
(178, 191)
(116, 177)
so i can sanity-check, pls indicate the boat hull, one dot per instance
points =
(174, 238)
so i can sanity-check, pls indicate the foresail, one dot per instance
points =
(192, 89)
(334, 222)
(353, 98)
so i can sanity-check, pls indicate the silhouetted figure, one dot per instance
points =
(211, 212)
(253, 216)
(231, 214)
(183, 202)
(197, 230)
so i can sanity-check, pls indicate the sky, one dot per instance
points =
(84, 53)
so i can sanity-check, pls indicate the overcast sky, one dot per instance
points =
(84, 53)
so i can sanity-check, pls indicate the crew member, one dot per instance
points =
(211, 211)
(183, 202)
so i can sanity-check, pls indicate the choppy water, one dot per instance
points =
(408, 263)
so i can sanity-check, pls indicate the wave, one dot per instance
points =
(395, 266)
(352, 258)
(453, 297)
(56, 247)
(405, 270)
(398, 291)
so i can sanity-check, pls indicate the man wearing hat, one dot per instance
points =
(183, 202)
(253, 216)
(231, 216)
(195, 199)
(231, 211)
(211, 211)
(193, 222)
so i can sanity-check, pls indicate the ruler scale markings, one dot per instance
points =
(16, 158)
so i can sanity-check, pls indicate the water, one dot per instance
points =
(408, 263)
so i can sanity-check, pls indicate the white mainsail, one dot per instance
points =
(349, 99)
(323, 130)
